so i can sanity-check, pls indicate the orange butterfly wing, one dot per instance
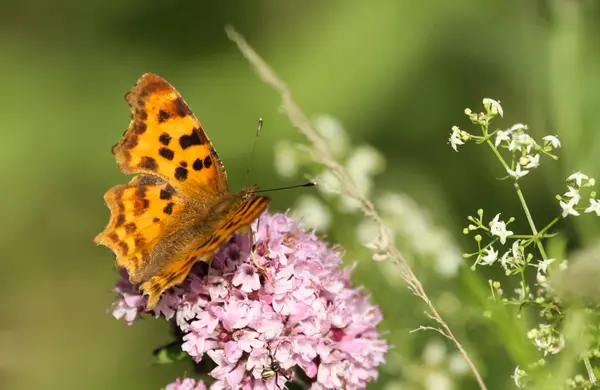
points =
(141, 212)
(178, 211)
(164, 138)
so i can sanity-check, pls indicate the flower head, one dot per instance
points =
(552, 140)
(493, 107)
(573, 194)
(521, 139)
(501, 136)
(489, 257)
(301, 312)
(517, 173)
(578, 178)
(569, 208)
(498, 228)
(594, 207)
(517, 376)
(456, 138)
(543, 265)
(532, 161)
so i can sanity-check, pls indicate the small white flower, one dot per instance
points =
(513, 257)
(521, 139)
(534, 161)
(455, 138)
(490, 256)
(516, 252)
(543, 265)
(493, 106)
(517, 375)
(517, 173)
(518, 127)
(568, 208)
(594, 207)
(506, 260)
(552, 140)
(573, 194)
(498, 228)
(578, 177)
(502, 135)
(542, 341)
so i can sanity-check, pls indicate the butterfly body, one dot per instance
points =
(178, 209)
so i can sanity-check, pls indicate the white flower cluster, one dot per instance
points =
(514, 258)
(526, 151)
(547, 339)
(362, 163)
(518, 376)
(406, 221)
(570, 199)
(458, 137)
(417, 232)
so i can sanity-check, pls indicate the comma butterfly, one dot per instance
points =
(178, 210)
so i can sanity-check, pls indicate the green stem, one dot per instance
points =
(497, 153)
(590, 370)
(544, 230)
(536, 238)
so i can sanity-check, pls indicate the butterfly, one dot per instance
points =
(178, 209)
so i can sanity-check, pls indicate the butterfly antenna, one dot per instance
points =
(307, 184)
(258, 129)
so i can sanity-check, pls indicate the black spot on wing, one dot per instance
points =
(148, 163)
(181, 173)
(139, 241)
(169, 208)
(140, 192)
(164, 139)
(139, 127)
(181, 108)
(188, 140)
(166, 153)
(163, 116)
(120, 220)
(197, 165)
(124, 247)
(141, 114)
(130, 143)
(207, 161)
(165, 195)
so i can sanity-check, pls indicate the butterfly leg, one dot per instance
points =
(208, 271)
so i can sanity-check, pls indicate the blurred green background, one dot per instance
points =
(397, 75)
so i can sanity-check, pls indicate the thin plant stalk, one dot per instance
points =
(321, 154)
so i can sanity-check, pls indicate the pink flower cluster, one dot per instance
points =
(258, 327)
